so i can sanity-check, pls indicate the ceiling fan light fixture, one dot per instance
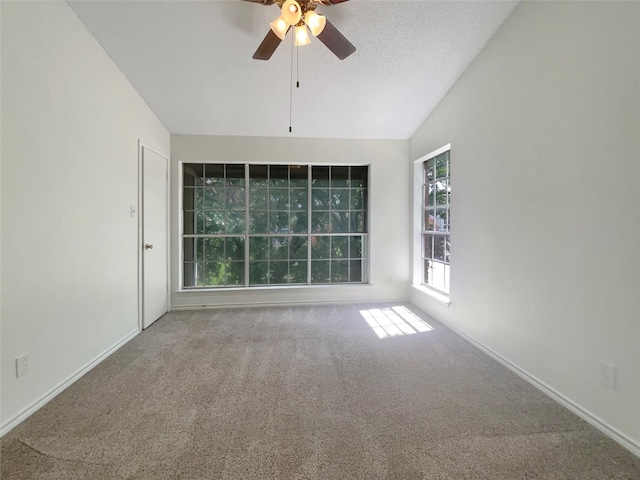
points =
(315, 22)
(291, 12)
(301, 15)
(280, 27)
(302, 36)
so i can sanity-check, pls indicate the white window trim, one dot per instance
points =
(418, 168)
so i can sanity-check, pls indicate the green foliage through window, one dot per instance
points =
(256, 225)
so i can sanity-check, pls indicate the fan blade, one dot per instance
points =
(267, 47)
(330, 2)
(264, 2)
(335, 41)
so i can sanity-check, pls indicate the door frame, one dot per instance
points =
(141, 147)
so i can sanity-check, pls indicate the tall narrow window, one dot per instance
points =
(257, 225)
(214, 224)
(338, 224)
(278, 224)
(436, 222)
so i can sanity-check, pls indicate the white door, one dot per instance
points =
(155, 278)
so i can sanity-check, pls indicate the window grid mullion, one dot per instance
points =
(289, 224)
(330, 220)
(247, 222)
(309, 221)
(349, 210)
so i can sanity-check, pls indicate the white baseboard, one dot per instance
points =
(42, 401)
(611, 432)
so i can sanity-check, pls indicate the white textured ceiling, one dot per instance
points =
(191, 62)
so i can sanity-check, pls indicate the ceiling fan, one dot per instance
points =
(301, 15)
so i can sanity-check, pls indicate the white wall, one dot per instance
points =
(389, 212)
(545, 144)
(70, 129)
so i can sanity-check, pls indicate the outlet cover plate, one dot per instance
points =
(607, 374)
(22, 365)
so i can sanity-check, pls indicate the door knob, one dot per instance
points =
(148, 246)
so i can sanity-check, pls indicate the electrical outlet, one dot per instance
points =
(389, 279)
(607, 374)
(22, 365)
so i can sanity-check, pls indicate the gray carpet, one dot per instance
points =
(304, 393)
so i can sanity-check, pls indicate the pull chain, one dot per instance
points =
(297, 63)
(298, 67)
(291, 84)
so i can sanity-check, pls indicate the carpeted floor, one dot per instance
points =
(305, 393)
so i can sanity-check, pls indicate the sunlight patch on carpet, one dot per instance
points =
(394, 322)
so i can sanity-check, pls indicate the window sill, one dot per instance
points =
(433, 295)
(197, 291)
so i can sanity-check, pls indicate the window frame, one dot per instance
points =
(249, 233)
(419, 230)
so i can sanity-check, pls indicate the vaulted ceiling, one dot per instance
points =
(191, 62)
